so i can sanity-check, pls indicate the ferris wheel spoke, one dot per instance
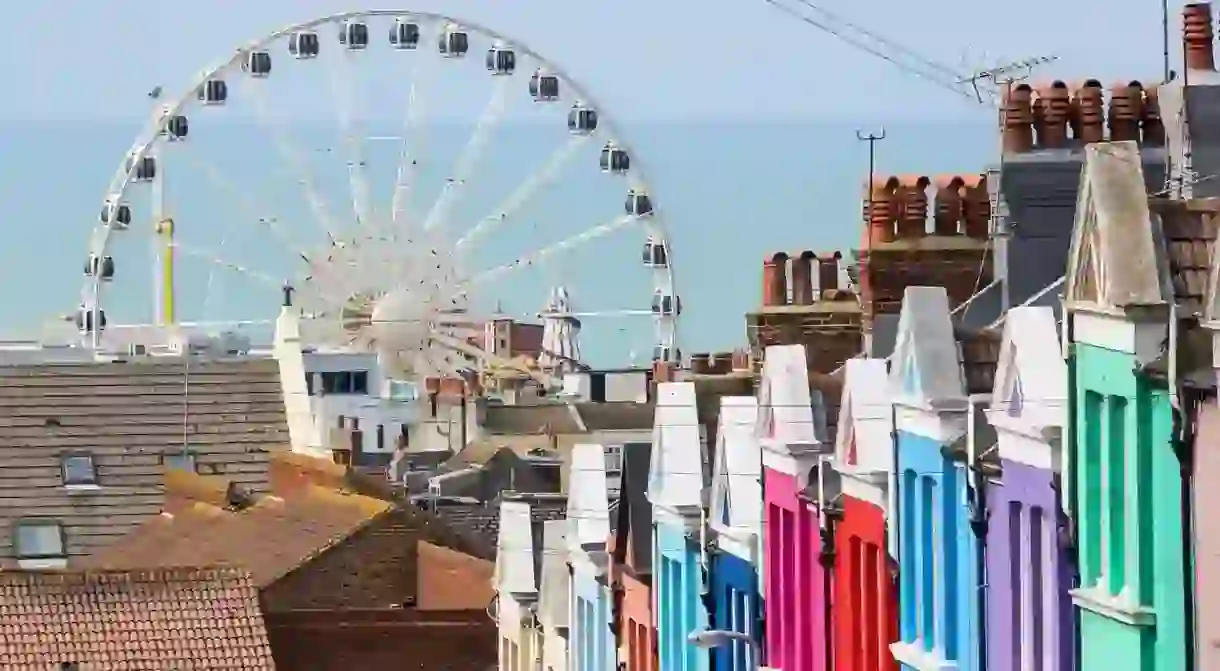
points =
(343, 89)
(526, 190)
(410, 148)
(217, 260)
(468, 159)
(295, 158)
(545, 253)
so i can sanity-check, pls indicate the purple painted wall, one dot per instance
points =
(1028, 575)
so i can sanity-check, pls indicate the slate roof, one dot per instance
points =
(129, 416)
(183, 618)
(616, 416)
(529, 419)
(482, 522)
(632, 516)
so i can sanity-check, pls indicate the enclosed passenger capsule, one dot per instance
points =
(404, 34)
(655, 254)
(116, 215)
(501, 60)
(453, 43)
(614, 159)
(143, 170)
(100, 266)
(84, 319)
(177, 127)
(354, 35)
(544, 86)
(257, 64)
(638, 204)
(666, 304)
(582, 120)
(304, 44)
(214, 92)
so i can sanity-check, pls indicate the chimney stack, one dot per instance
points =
(977, 208)
(949, 208)
(741, 360)
(828, 272)
(775, 280)
(700, 364)
(1197, 36)
(802, 278)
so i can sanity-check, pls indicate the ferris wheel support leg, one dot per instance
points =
(165, 244)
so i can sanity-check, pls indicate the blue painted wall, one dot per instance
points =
(939, 600)
(738, 603)
(679, 610)
(592, 641)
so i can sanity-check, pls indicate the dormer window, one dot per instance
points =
(39, 543)
(345, 382)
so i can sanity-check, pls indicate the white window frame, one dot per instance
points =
(53, 557)
(65, 473)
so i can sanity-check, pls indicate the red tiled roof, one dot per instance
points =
(187, 619)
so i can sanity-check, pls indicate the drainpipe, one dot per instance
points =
(826, 556)
(976, 495)
(1182, 442)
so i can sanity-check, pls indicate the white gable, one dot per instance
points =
(514, 572)
(1031, 383)
(1114, 258)
(737, 488)
(863, 442)
(676, 475)
(553, 606)
(925, 370)
(588, 508)
(785, 428)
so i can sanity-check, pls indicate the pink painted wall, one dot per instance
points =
(636, 640)
(1207, 536)
(794, 579)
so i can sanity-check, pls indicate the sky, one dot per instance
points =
(648, 60)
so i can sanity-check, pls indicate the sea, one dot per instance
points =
(727, 193)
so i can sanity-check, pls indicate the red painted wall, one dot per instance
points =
(866, 598)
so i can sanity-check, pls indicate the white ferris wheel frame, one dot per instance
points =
(149, 138)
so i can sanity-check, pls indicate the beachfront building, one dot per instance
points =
(794, 581)
(939, 583)
(1029, 574)
(865, 597)
(1127, 483)
(736, 521)
(675, 490)
(593, 646)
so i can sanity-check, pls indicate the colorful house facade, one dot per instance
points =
(592, 643)
(516, 588)
(1127, 484)
(676, 494)
(631, 568)
(1029, 573)
(796, 589)
(866, 596)
(736, 520)
(939, 582)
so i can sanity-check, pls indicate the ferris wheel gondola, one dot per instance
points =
(397, 280)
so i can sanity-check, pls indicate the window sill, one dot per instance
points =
(1099, 601)
(45, 563)
(914, 656)
(82, 488)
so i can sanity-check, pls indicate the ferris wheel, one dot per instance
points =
(404, 277)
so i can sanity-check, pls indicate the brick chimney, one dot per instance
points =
(1052, 114)
(950, 255)
(828, 272)
(700, 364)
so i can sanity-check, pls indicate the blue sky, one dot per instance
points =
(646, 59)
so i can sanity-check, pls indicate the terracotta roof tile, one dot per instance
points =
(187, 619)
(1190, 229)
(270, 538)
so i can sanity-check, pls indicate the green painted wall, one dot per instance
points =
(1128, 490)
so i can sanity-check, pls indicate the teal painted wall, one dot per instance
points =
(1128, 488)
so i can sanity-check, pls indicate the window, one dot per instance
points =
(77, 469)
(345, 382)
(380, 437)
(309, 384)
(38, 539)
(614, 458)
(183, 461)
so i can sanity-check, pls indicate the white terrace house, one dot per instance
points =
(516, 589)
